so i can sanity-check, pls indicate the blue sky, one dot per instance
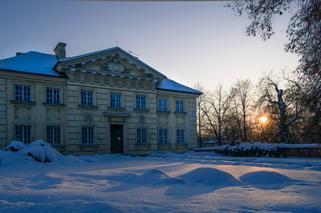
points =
(188, 41)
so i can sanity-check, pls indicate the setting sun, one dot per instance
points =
(263, 119)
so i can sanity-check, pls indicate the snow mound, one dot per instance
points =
(210, 177)
(41, 151)
(15, 146)
(152, 177)
(159, 177)
(266, 180)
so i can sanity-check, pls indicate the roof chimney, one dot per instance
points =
(60, 50)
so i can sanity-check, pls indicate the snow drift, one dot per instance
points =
(266, 180)
(210, 177)
(153, 177)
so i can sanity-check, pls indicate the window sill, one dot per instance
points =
(164, 112)
(164, 145)
(53, 105)
(23, 102)
(142, 147)
(141, 110)
(181, 144)
(120, 109)
(88, 145)
(89, 107)
(180, 113)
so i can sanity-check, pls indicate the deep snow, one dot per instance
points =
(191, 182)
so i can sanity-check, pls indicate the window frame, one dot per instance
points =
(86, 97)
(162, 104)
(25, 96)
(162, 137)
(141, 102)
(141, 138)
(87, 136)
(23, 136)
(179, 105)
(53, 98)
(115, 100)
(180, 136)
(52, 136)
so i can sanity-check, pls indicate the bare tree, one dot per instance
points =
(216, 110)
(200, 102)
(243, 102)
(277, 100)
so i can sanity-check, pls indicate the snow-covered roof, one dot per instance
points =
(31, 62)
(44, 64)
(170, 85)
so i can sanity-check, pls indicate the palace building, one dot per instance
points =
(107, 101)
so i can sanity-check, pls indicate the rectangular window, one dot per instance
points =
(179, 106)
(22, 92)
(162, 105)
(140, 102)
(180, 136)
(87, 135)
(162, 136)
(53, 96)
(86, 97)
(115, 100)
(23, 133)
(142, 135)
(53, 134)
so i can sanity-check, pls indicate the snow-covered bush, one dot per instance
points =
(15, 146)
(41, 151)
(259, 149)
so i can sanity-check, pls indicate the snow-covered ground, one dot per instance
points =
(191, 182)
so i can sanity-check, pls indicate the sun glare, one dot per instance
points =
(263, 119)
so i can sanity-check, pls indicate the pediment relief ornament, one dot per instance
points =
(115, 67)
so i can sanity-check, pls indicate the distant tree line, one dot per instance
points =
(238, 114)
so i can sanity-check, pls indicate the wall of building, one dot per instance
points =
(3, 112)
(173, 120)
(71, 116)
(35, 113)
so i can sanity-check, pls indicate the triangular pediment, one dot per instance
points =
(113, 61)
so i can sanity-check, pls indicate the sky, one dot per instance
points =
(190, 42)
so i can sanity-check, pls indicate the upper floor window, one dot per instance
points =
(87, 135)
(142, 135)
(140, 102)
(180, 136)
(162, 136)
(162, 104)
(53, 96)
(22, 92)
(86, 97)
(115, 100)
(23, 133)
(179, 106)
(53, 134)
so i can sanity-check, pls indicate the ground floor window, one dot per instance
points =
(53, 134)
(180, 136)
(142, 135)
(87, 134)
(23, 133)
(162, 136)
